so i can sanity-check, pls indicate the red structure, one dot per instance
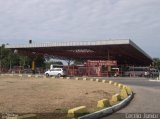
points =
(100, 56)
(125, 52)
(100, 67)
(93, 68)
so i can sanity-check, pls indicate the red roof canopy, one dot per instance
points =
(124, 51)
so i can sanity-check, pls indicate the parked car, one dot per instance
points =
(55, 72)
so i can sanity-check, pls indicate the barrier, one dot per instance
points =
(53, 77)
(108, 110)
(115, 84)
(78, 111)
(77, 78)
(105, 81)
(29, 76)
(128, 89)
(116, 98)
(84, 79)
(120, 86)
(67, 77)
(98, 80)
(103, 103)
(92, 79)
(123, 93)
(111, 82)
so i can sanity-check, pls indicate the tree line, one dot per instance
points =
(10, 59)
(156, 63)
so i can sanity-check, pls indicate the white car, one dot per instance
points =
(55, 72)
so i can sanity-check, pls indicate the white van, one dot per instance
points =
(55, 72)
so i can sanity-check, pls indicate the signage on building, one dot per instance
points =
(102, 62)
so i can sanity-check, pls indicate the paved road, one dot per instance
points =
(146, 98)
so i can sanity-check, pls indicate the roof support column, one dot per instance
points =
(33, 66)
(108, 55)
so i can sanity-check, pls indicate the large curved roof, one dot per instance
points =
(124, 51)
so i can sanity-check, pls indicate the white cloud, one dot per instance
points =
(72, 20)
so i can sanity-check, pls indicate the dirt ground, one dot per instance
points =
(24, 95)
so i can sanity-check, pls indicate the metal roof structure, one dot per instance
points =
(124, 51)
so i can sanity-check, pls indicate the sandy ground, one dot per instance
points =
(23, 95)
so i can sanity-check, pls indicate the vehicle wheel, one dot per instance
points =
(59, 75)
(47, 75)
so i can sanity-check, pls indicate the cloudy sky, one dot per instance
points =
(81, 20)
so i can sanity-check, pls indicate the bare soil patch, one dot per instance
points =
(30, 95)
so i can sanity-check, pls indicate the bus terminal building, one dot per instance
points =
(98, 56)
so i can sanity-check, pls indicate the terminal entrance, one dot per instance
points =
(96, 68)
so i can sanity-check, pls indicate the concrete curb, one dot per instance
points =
(107, 111)
(154, 80)
(122, 104)
(98, 114)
